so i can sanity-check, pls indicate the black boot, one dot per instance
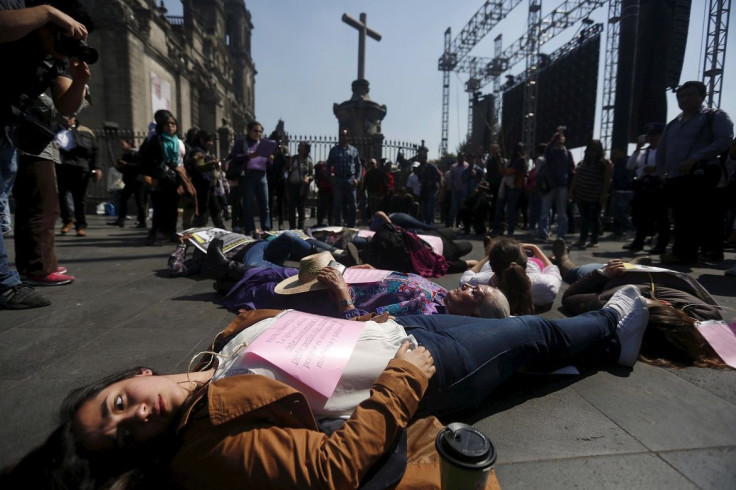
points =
(217, 266)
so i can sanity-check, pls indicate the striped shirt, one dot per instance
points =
(590, 180)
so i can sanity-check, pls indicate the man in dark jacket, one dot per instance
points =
(688, 160)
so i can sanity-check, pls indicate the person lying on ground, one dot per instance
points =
(521, 271)
(395, 248)
(396, 293)
(452, 248)
(218, 428)
(268, 252)
(678, 303)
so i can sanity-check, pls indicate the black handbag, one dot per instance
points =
(33, 138)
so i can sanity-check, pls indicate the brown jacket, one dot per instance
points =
(253, 432)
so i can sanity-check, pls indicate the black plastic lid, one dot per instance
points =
(465, 446)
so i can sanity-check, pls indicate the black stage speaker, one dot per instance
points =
(566, 96)
(659, 54)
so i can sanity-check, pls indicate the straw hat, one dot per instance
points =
(306, 280)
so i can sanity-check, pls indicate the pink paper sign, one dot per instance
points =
(354, 275)
(435, 242)
(311, 348)
(722, 337)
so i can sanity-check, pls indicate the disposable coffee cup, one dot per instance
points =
(466, 457)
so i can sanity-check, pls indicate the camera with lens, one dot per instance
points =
(76, 48)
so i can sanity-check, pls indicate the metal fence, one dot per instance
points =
(320, 147)
(109, 141)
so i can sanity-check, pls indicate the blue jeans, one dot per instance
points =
(8, 171)
(474, 355)
(557, 195)
(287, 246)
(580, 271)
(8, 277)
(510, 206)
(254, 184)
(409, 222)
(343, 197)
(456, 200)
(428, 202)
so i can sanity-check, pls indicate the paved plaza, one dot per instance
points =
(613, 428)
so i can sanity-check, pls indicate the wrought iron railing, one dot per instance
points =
(109, 141)
(321, 145)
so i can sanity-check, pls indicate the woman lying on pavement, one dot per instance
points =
(268, 252)
(219, 428)
(394, 293)
(452, 248)
(680, 301)
(521, 271)
(394, 247)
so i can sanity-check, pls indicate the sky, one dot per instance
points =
(307, 58)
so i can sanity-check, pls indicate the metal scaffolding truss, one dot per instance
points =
(610, 73)
(562, 17)
(497, 50)
(715, 49)
(534, 28)
(484, 70)
(445, 99)
(579, 40)
(485, 19)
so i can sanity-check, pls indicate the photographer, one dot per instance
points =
(33, 37)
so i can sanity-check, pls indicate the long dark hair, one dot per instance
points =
(508, 262)
(672, 340)
(594, 152)
(61, 463)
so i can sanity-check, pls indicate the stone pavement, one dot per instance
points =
(615, 428)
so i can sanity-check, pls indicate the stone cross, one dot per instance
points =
(363, 29)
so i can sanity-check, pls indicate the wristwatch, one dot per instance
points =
(346, 302)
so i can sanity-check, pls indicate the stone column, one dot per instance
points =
(362, 117)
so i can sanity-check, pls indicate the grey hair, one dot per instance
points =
(494, 305)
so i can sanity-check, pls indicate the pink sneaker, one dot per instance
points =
(53, 279)
(61, 269)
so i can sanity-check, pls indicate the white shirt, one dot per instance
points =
(376, 346)
(545, 283)
(413, 184)
(646, 157)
